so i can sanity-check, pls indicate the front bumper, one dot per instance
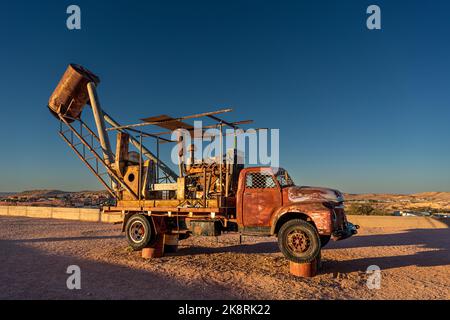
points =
(349, 230)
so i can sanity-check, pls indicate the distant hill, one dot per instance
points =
(436, 196)
(423, 196)
(50, 193)
(388, 203)
(6, 194)
(40, 193)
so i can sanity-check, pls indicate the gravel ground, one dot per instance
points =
(35, 254)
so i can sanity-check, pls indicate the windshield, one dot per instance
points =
(284, 179)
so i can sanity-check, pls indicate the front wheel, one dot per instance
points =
(299, 241)
(139, 232)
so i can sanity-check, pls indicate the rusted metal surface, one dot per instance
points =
(262, 206)
(121, 158)
(260, 199)
(305, 270)
(313, 211)
(305, 194)
(70, 96)
(209, 228)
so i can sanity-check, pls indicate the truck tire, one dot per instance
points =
(299, 241)
(324, 240)
(139, 232)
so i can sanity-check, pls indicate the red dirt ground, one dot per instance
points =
(35, 253)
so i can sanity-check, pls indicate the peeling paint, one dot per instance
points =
(304, 194)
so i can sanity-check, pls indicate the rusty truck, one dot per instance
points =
(203, 197)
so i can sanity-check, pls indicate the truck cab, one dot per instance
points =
(303, 218)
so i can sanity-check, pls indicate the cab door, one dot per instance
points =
(261, 197)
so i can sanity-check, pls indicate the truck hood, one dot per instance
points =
(313, 194)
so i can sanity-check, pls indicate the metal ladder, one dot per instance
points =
(85, 139)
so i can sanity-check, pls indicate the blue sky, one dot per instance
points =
(358, 110)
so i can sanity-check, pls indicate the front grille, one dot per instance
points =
(341, 220)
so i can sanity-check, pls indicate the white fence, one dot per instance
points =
(80, 214)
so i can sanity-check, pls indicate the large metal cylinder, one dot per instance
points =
(71, 94)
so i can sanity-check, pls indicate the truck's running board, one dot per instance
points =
(255, 231)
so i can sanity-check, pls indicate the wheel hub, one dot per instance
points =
(137, 232)
(298, 241)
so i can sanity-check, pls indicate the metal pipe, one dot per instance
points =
(140, 169)
(157, 160)
(181, 151)
(100, 123)
(204, 186)
(221, 163)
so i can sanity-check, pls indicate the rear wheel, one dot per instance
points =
(139, 232)
(299, 241)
